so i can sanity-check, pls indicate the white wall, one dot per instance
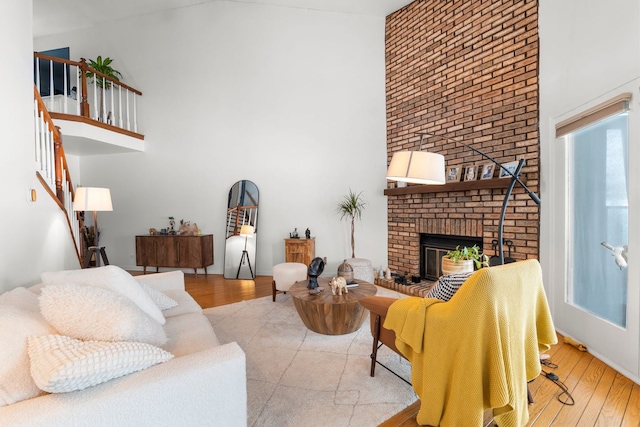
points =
(589, 52)
(32, 235)
(291, 99)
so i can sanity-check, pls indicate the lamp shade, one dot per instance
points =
(92, 199)
(246, 230)
(420, 167)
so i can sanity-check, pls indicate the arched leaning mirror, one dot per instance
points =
(241, 231)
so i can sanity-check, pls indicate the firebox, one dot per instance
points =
(434, 246)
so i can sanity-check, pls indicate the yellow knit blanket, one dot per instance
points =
(478, 350)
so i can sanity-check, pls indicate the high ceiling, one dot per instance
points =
(59, 16)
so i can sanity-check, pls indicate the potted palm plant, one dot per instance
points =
(351, 207)
(463, 260)
(103, 66)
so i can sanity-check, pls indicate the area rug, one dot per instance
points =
(296, 377)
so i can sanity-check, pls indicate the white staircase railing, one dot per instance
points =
(51, 167)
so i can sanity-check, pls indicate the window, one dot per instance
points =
(597, 188)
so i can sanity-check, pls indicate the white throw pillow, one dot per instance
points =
(19, 318)
(60, 364)
(108, 277)
(162, 301)
(91, 313)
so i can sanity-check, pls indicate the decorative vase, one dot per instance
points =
(345, 270)
(452, 267)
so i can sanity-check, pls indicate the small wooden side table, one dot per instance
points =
(330, 314)
(300, 250)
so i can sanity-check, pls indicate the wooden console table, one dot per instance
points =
(175, 251)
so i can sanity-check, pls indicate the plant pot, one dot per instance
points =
(452, 267)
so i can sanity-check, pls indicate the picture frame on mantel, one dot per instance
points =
(510, 166)
(453, 174)
(471, 172)
(487, 171)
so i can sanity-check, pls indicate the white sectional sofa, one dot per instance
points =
(204, 384)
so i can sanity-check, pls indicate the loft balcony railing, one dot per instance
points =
(68, 93)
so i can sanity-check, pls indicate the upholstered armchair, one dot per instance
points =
(474, 352)
(286, 274)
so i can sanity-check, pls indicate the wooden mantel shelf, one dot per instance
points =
(453, 186)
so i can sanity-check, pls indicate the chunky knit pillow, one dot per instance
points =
(62, 364)
(90, 313)
(447, 285)
(159, 298)
(108, 277)
(19, 318)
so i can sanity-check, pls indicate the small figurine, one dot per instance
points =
(187, 229)
(172, 224)
(307, 233)
(339, 286)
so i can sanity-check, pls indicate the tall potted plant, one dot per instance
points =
(103, 66)
(463, 260)
(351, 207)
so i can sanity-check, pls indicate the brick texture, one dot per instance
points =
(467, 70)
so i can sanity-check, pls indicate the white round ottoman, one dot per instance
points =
(362, 269)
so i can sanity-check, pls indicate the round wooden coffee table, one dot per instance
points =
(330, 314)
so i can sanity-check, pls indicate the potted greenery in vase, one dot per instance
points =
(103, 66)
(352, 206)
(464, 260)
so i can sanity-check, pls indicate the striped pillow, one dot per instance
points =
(447, 285)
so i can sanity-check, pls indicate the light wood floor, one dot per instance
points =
(603, 397)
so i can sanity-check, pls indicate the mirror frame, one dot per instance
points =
(240, 250)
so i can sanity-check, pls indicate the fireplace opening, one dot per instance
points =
(434, 246)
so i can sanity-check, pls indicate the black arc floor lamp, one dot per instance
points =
(423, 167)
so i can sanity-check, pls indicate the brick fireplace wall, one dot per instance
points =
(467, 70)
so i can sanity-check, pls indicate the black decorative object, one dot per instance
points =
(307, 233)
(400, 279)
(315, 269)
